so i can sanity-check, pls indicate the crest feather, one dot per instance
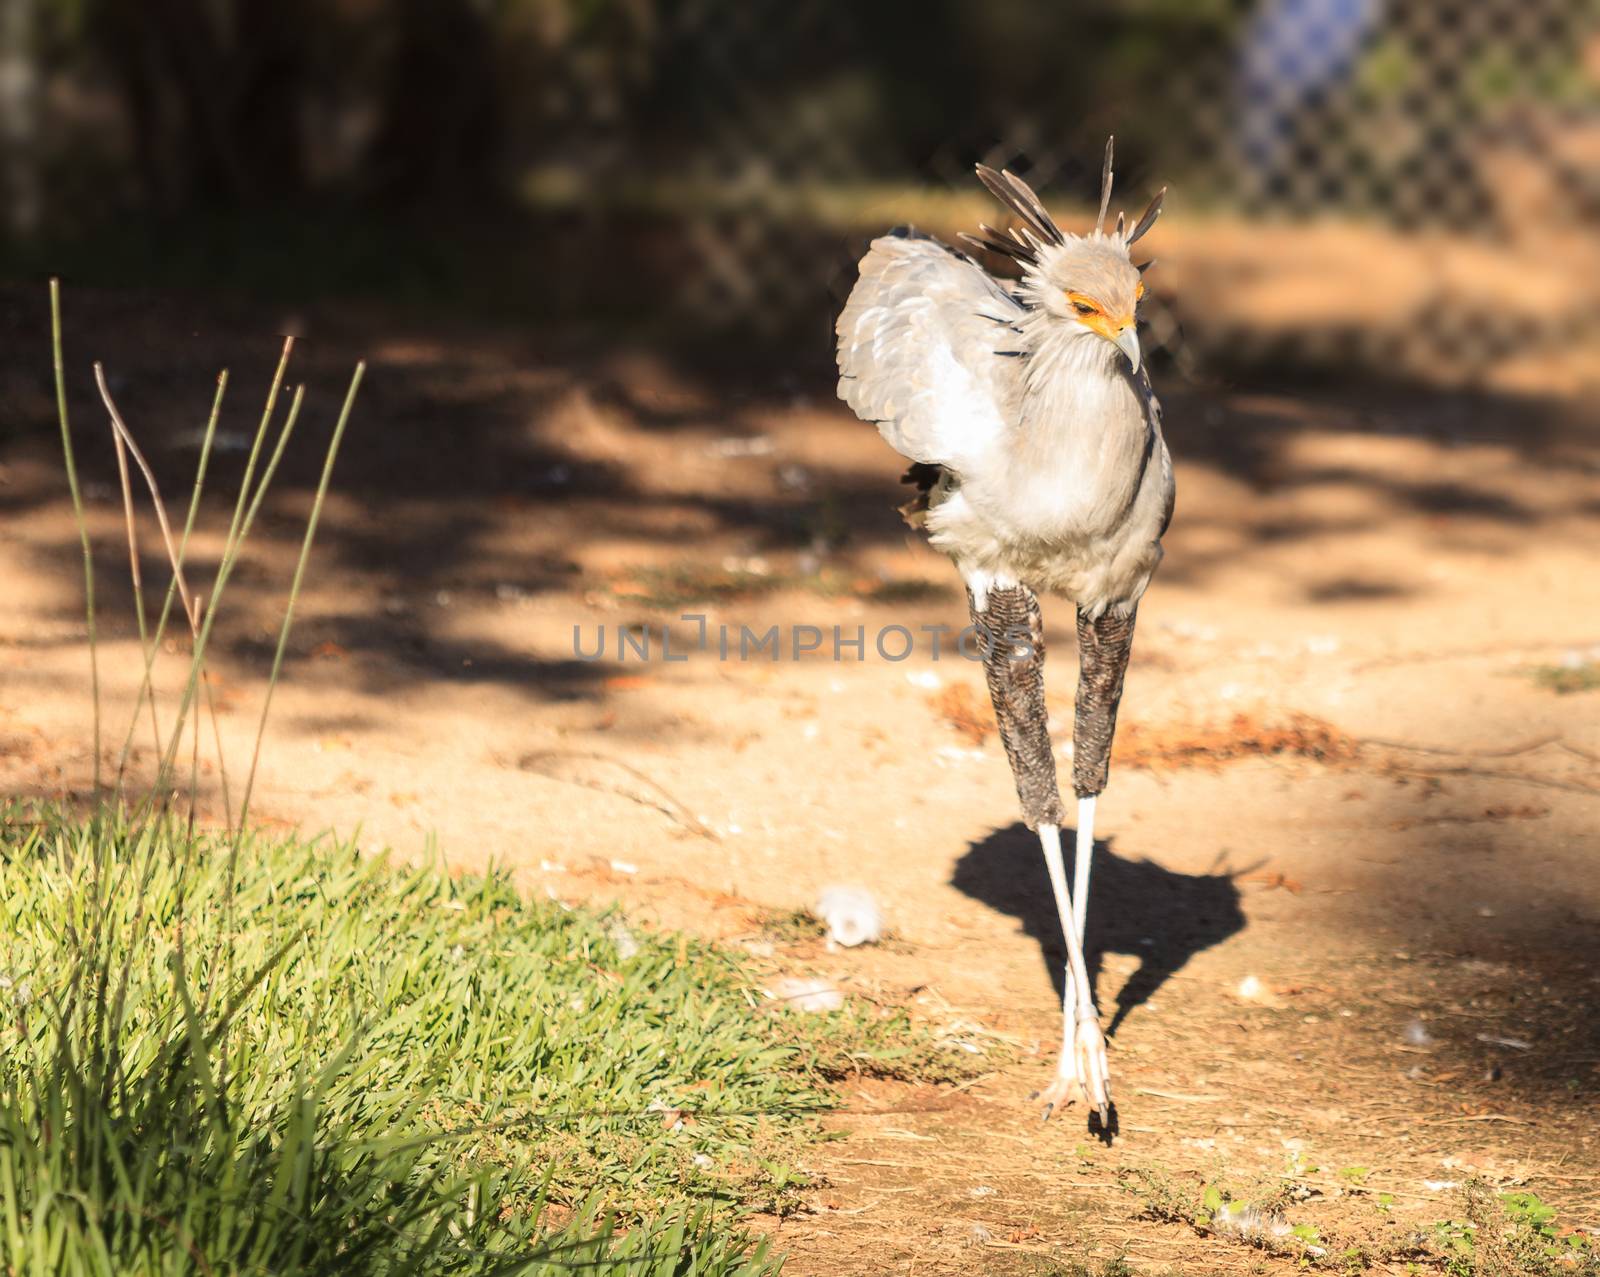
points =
(1151, 212)
(1018, 196)
(1038, 233)
(1012, 245)
(1105, 186)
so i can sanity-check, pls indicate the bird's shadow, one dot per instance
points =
(1160, 916)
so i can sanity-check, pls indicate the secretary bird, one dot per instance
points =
(1036, 448)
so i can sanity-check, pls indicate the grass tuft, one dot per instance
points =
(410, 1071)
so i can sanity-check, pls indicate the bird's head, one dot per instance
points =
(1087, 282)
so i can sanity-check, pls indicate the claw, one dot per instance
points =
(1061, 1093)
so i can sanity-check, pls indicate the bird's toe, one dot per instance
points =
(1064, 1091)
(1093, 1071)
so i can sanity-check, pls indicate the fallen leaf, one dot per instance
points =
(1243, 737)
(963, 711)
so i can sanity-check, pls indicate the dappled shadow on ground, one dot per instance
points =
(477, 463)
(1476, 470)
(1475, 922)
(1136, 907)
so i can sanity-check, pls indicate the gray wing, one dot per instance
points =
(923, 351)
(1159, 447)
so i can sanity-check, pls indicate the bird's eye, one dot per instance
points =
(1083, 308)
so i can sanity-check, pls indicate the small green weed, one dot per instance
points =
(792, 926)
(1566, 679)
(1510, 1235)
(1116, 1266)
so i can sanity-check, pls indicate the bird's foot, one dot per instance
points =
(1082, 1073)
(1065, 1090)
(1089, 1048)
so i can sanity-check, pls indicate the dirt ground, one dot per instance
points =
(1345, 902)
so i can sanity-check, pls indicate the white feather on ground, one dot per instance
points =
(851, 915)
(805, 995)
(1250, 1223)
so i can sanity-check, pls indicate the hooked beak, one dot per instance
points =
(1127, 341)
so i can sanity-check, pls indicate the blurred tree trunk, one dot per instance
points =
(441, 118)
(20, 183)
(214, 94)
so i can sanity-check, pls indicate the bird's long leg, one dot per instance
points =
(1008, 619)
(1083, 1046)
(1082, 858)
(1104, 643)
(1011, 630)
(1103, 646)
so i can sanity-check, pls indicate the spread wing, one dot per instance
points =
(928, 347)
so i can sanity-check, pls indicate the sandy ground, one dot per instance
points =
(1345, 901)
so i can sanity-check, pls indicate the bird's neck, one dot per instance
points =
(1070, 384)
(1078, 434)
(1062, 353)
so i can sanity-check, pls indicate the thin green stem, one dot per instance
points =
(224, 571)
(179, 559)
(77, 510)
(299, 577)
(238, 527)
(255, 446)
(125, 440)
(137, 576)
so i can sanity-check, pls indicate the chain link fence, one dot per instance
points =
(1407, 186)
(1410, 187)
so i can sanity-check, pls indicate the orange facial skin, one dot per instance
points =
(1092, 315)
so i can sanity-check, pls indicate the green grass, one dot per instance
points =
(374, 1069)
